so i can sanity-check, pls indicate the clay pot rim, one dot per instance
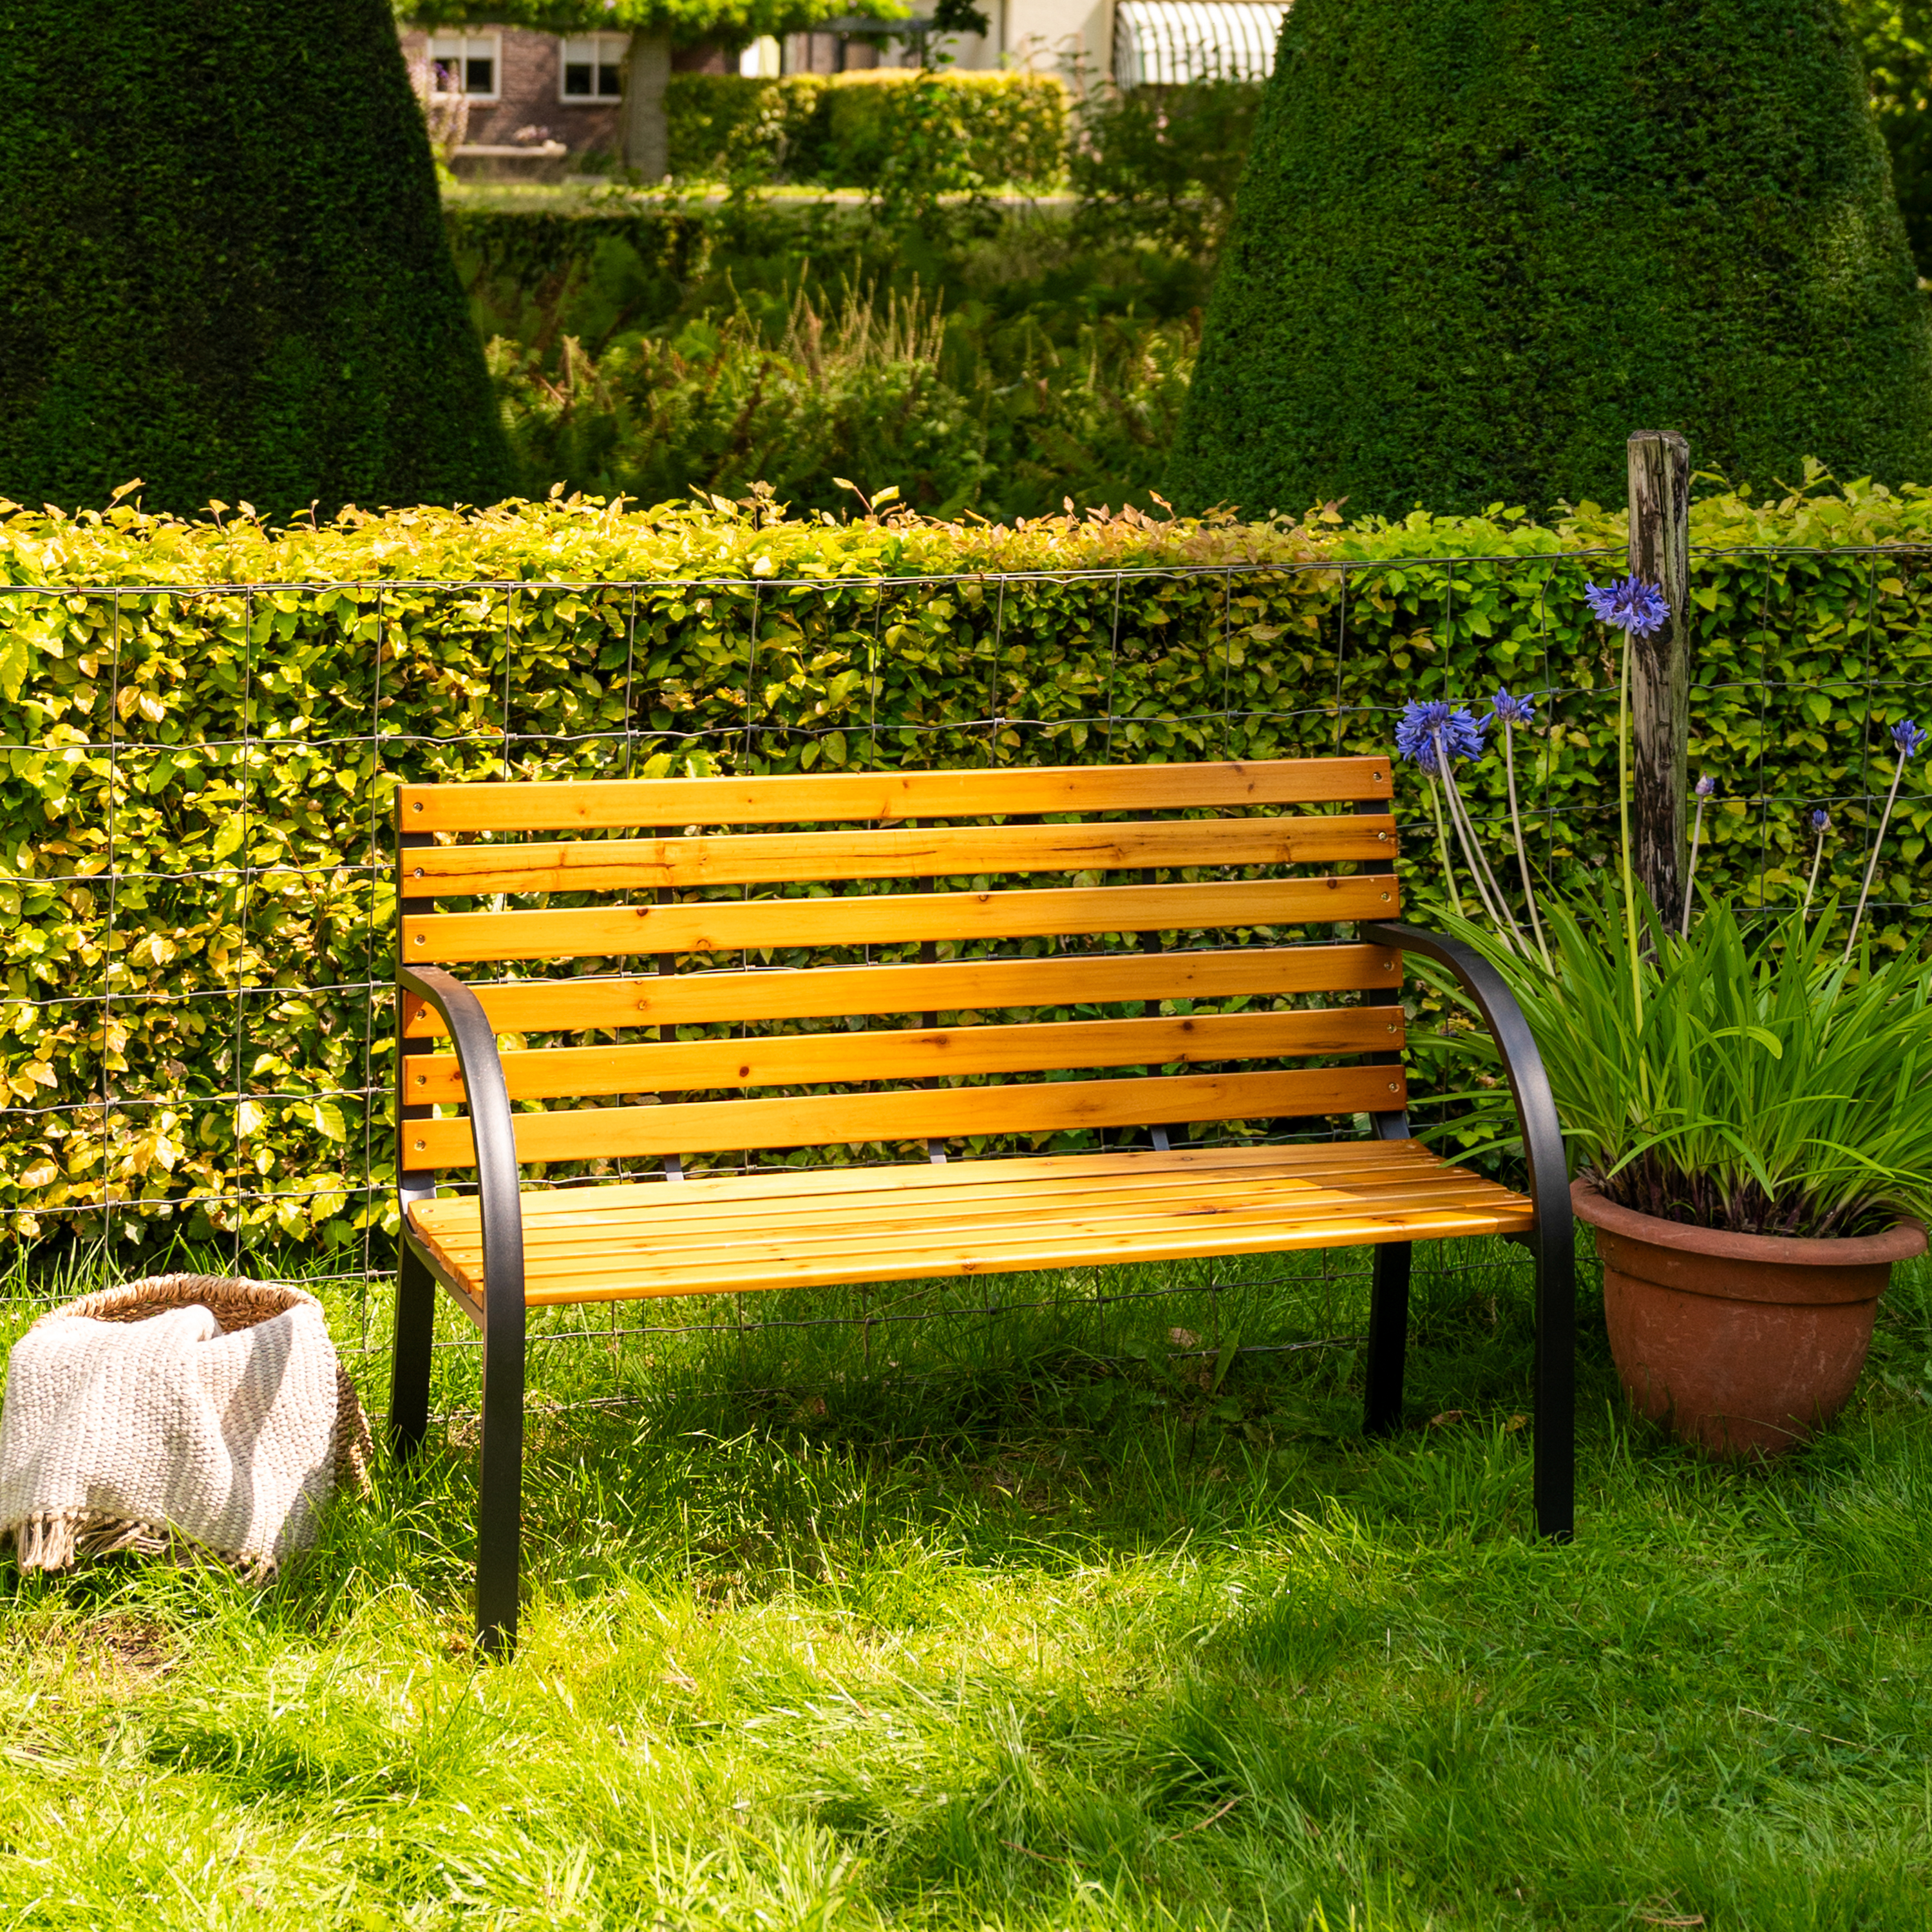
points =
(1903, 1243)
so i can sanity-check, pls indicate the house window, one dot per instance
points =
(592, 67)
(469, 64)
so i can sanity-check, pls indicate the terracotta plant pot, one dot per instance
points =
(1746, 1345)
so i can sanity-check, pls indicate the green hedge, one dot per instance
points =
(1479, 240)
(1162, 163)
(222, 268)
(858, 129)
(258, 735)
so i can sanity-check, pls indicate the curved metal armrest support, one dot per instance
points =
(495, 1136)
(1529, 1085)
(1554, 1240)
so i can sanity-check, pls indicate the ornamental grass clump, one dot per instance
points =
(1760, 1080)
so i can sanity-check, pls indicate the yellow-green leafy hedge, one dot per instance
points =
(257, 694)
(954, 131)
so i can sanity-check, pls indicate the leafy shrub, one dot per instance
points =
(223, 266)
(956, 414)
(728, 126)
(1479, 242)
(944, 131)
(630, 345)
(1162, 163)
(1897, 39)
(257, 736)
(887, 128)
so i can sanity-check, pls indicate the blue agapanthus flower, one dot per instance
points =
(1907, 736)
(1821, 821)
(1424, 720)
(1514, 710)
(1706, 786)
(1630, 604)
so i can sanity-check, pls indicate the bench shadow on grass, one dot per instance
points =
(1068, 1418)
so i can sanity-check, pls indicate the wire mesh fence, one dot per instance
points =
(199, 890)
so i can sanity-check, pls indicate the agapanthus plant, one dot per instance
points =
(1906, 738)
(1772, 1089)
(1637, 609)
(1436, 735)
(1821, 823)
(1765, 1087)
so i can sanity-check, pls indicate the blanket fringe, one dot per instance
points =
(56, 1542)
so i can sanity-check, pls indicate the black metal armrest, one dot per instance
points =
(1553, 1243)
(494, 1134)
(1529, 1085)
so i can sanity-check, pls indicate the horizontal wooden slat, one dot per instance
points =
(976, 1216)
(592, 1133)
(885, 918)
(885, 797)
(801, 1060)
(861, 1188)
(844, 1196)
(871, 1254)
(597, 1239)
(1057, 980)
(938, 852)
(1182, 1238)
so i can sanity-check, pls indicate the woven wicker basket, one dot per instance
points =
(235, 1304)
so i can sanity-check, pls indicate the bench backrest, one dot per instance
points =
(891, 915)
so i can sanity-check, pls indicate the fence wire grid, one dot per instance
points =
(198, 890)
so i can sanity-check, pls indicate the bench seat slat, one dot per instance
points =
(594, 1133)
(592, 865)
(613, 1237)
(1054, 980)
(728, 925)
(892, 1187)
(917, 1053)
(1170, 1207)
(1228, 1163)
(886, 797)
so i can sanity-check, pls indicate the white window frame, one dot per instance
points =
(462, 49)
(600, 45)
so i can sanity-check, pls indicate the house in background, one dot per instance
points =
(1134, 43)
(532, 104)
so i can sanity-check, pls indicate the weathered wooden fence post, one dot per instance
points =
(1659, 554)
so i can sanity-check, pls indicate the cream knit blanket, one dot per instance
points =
(140, 1434)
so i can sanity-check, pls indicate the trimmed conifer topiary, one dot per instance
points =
(1480, 241)
(222, 266)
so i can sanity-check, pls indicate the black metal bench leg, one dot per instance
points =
(1388, 1338)
(500, 1504)
(411, 1355)
(1555, 1478)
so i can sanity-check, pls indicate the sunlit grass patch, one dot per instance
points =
(955, 1643)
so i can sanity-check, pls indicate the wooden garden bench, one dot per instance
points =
(909, 861)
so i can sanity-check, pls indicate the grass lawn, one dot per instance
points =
(992, 1634)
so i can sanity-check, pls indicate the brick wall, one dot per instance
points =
(527, 83)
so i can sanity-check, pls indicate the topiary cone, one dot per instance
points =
(1480, 241)
(222, 266)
